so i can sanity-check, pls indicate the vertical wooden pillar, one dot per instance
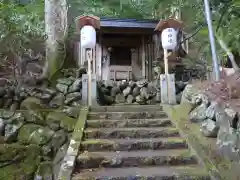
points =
(89, 59)
(149, 60)
(94, 60)
(99, 60)
(94, 90)
(143, 59)
(83, 56)
(165, 61)
(79, 56)
(100, 57)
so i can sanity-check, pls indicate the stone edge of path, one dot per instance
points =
(195, 140)
(68, 163)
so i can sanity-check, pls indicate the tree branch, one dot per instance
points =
(198, 29)
(222, 15)
(229, 53)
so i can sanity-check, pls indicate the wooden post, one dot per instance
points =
(166, 61)
(98, 61)
(79, 54)
(164, 79)
(143, 59)
(94, 60)
(89, 59)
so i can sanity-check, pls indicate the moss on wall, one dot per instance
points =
(205, 148)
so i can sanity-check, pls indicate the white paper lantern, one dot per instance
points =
(88, 37)
(169, 38)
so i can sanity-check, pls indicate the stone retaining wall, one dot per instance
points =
(36, 126)
(33, 143)
(216, 120)
(66, 92)
(36, 123)
(130, 92)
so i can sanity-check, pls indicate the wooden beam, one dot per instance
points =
(143, 58)
(130, 42)
(135, 31)
(99, 60)
(94, 59)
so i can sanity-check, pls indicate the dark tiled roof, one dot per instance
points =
(128, 23)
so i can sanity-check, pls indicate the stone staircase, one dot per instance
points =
(134, 142)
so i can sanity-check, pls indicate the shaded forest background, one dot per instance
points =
(50, 25)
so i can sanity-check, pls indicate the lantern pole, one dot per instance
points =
(166, 61)
(88, 42)
(89, 60)
(169, 42)
(212, 40)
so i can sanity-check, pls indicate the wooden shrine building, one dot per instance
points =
(126, 49)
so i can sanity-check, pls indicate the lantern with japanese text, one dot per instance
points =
(169, 38)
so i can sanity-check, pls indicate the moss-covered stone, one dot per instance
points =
(2, 140)
(44, 171)
(18, 161)
(12, 127)
(58, 139)
(71, 111)
(126, 115)
(75, 96)
(35, 116)
(128, 123)
(123, 159)
(5, 114)
(68, 123)
(34, 134)
(57, 101)
(31, 103)
(104, 144)
(55, 120)
(205, 148)
(63, 88)
(130, 133)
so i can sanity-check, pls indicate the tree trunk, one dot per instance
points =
(56, 28)
(229, 53)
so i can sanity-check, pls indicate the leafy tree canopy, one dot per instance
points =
(20, 22)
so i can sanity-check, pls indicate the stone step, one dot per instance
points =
(127, 108)
(135, 158)
(126, 115)
(137, 173)
(133, 144)
(129, 123)
(114, 133)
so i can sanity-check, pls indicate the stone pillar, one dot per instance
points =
(85, 89)
(164, 89)
(94, 90)
(171, 89)
(168, 90)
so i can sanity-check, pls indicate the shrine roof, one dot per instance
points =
(128, 23)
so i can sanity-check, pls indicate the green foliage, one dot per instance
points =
(20, 25)
(225, 15)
